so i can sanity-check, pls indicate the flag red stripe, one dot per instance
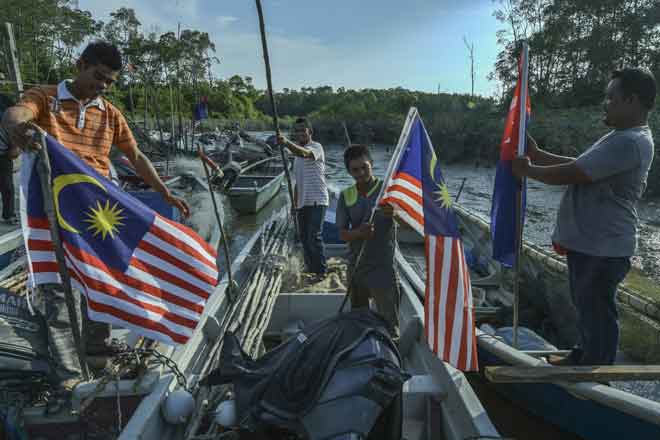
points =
(190, 233)
(123, 315)
(405, 176)
(427, 291)
(40, 245)
(38, 223)
(469, 320)
(45, 267)
(134, 282)
(184, 266)
(462, 350)
(406, 207)
(136, 320)
(107, 289)
(402, 189)
(437, 280)
(174, 241)
(166, 276)
(451, 299)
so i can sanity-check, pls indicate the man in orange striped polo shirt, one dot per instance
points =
(77, 115)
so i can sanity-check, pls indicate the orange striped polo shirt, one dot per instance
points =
(87, 130)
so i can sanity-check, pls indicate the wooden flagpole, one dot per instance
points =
(273, 104)
(519, 192)
(44, 170)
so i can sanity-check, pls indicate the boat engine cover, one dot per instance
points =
(334, 378)
(23, 337)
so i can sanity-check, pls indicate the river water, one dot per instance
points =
(542, 203)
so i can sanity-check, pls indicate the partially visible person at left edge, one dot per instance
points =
(7, 156)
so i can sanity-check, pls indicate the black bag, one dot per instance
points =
(338, 379)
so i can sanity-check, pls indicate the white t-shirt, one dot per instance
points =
(310, 177)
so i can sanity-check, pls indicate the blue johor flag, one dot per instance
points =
(503, 208)
(136, 268)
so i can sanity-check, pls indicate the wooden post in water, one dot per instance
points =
(44, 170)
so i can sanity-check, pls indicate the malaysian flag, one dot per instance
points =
(415, 186)
(136, 268)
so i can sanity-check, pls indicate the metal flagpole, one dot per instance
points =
(394, 162)
(522, 123)
(273, 105)
(44, 170)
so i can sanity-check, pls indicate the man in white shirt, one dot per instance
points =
(311, 192)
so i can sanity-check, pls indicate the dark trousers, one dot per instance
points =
(7, 186)
(310, 223)
(593, 282)
(386, 299)
(60, 334)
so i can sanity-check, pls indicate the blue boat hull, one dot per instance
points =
(586, 418)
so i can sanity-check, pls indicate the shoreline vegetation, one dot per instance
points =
(573, 50)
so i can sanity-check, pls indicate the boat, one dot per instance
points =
(29, 407)
(437, 401)
(588, 409)
(256, 185)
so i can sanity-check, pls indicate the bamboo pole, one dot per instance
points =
(233, 286)
(44, 170)
(273, 104)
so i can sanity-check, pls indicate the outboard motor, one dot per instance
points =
(231, 171)
(339, 379)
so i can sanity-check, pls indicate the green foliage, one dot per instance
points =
(575, 45)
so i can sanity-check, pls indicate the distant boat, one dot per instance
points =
(256, 185)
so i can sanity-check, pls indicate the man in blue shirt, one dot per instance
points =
(597, 219)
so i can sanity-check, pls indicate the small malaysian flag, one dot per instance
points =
(416, 187)
(136, 268)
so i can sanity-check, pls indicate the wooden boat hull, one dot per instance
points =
(590, 410)
(572, 411)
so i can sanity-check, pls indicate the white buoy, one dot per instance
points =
(225, 414)
(178, 407)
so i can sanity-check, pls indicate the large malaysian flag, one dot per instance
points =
(416, 187)
(136, 268)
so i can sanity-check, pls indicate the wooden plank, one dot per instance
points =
(542, 353)
(598, 373)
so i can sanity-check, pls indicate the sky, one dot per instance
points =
(415, 44)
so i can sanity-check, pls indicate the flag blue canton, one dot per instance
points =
(420, 161)
(80, 194)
